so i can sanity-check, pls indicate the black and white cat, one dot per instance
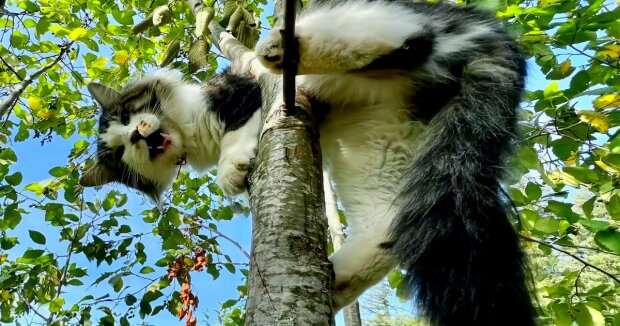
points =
(423, 104)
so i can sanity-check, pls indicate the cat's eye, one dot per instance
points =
(118, 154)
(125, 117)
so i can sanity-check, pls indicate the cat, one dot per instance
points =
(423, 101)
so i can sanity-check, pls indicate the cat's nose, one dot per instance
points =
(135, 136)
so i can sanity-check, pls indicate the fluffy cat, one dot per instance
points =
(423, 104)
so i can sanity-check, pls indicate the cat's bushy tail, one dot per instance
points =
(463, 259)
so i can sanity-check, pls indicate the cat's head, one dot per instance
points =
(139, 144)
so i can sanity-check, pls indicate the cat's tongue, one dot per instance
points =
(158, 142)
(167, 140)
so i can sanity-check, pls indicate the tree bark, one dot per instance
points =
(290, 276)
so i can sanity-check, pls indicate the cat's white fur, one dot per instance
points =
(368, 138)
(335, 47)
(238, 149)
(196, 134)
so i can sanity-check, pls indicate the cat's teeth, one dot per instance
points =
(160, 147)
(149, 147)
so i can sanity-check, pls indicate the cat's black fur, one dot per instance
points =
(234, 97)
(452, 234)
(455, 69)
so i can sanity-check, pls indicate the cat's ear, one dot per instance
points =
(97, 175)
(104, 95)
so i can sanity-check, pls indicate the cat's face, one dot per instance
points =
(139, 145)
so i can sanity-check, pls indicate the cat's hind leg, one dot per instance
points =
(360, 263)
(353, 36)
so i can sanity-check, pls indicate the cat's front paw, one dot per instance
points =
(231, 176)
(270, 52)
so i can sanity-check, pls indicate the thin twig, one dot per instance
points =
(588, 248)
(63, 277)
(235, 243)
(613, 277)
(8, 103)
(48, 320)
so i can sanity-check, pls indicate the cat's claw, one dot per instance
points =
(231, 177)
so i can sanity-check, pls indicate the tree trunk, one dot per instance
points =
(290, 276)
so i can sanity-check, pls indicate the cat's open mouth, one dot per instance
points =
(157, 142)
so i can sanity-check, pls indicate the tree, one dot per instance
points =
(70, 256)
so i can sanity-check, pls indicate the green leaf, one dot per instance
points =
(547, 225)
(59, 171)
(395, 279)
(593, 225)
(150, 296)
(613, 207)
(517, 196)
(586, 315)
(7, 156)
(563, 210)
(116, 282)
(33, 253)
(37, 236)
(56, 305)
(18, 39)
(86, 298)
(616, 320)
(569, 33)
(608, 239)
(75, 282)
(580, 82)
(14, 179)
(147, 270)
(533, 191)
(551, 89)
(145, 309)
(563, 316)
(230, 267)
(174, 217)
(229, 303)
(78, 33)
(588, 206)
(130, 299)
(530, 217)
(7, 243)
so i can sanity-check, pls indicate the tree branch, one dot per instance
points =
(9, 102)
(586, 263)
(241, 58)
